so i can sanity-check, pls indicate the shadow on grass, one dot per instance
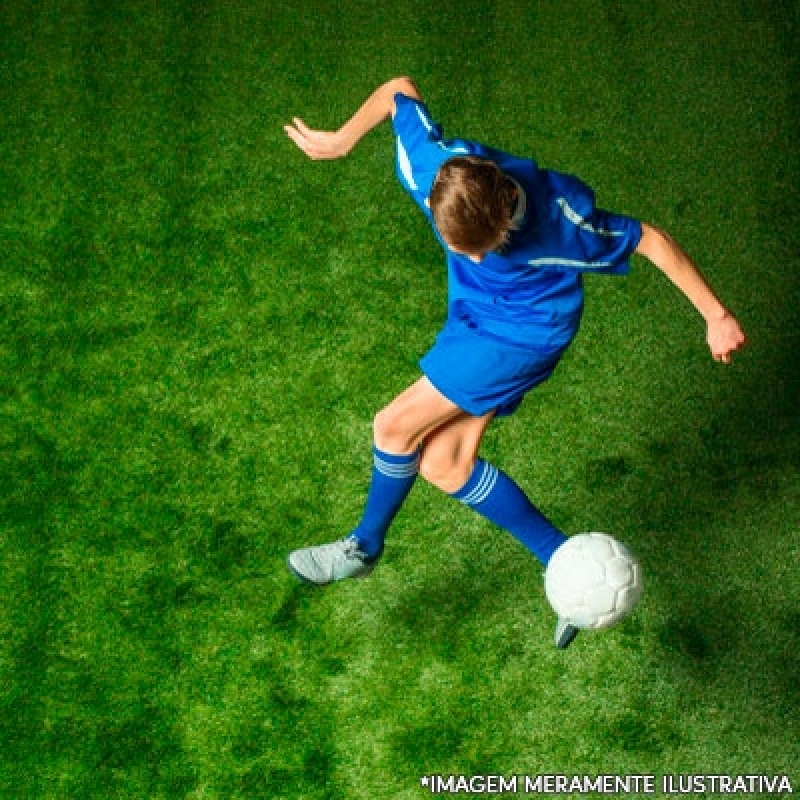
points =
(728, 618)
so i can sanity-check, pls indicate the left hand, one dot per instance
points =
(725, 336)
(317, 145)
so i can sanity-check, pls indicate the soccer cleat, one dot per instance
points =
(327, 563)
(565, 634)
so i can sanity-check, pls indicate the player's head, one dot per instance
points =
(472, 202)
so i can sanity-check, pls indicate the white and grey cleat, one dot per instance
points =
(327, 563)
(565, 633)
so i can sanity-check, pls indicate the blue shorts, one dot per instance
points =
(480, 374)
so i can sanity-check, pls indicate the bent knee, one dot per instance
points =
(444, 471)
(391, 434)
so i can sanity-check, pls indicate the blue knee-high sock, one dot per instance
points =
(392, 479)
(494, 495)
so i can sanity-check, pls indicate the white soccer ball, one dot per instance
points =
(593, 581)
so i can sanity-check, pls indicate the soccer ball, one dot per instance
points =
(593, 581)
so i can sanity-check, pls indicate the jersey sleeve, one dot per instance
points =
(591, 239)
(418, 148)
(607, 241)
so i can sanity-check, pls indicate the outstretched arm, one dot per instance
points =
(724, 335)
(335, 144)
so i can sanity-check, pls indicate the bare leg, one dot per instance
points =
(450, 452)
(400, 428)
(403, 425)
(450, 462)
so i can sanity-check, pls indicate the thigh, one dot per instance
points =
(406, 422)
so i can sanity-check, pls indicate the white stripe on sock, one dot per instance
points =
(396, 470)
(485, 485)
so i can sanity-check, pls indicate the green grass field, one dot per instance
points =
(197, 325)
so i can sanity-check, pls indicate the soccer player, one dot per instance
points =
(517, 240)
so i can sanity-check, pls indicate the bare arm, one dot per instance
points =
(335, 144)
(724, 335)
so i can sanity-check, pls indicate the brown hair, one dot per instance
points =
(472, 201)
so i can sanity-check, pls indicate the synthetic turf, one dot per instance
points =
(197, 324)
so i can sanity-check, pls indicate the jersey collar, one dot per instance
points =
(521, 210)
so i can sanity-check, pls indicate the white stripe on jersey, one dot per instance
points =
(405, 165)
(453, 148)
(425, 121)
(568, 262)
(576, 219)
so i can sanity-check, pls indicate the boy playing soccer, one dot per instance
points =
(517, 240)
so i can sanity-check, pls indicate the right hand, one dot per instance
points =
(317, 145)
(724, 337)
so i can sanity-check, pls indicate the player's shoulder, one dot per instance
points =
(564, 188)
(415, 126)
(412, 117)
(522, 169)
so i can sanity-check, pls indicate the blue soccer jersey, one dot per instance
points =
(530, 295)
